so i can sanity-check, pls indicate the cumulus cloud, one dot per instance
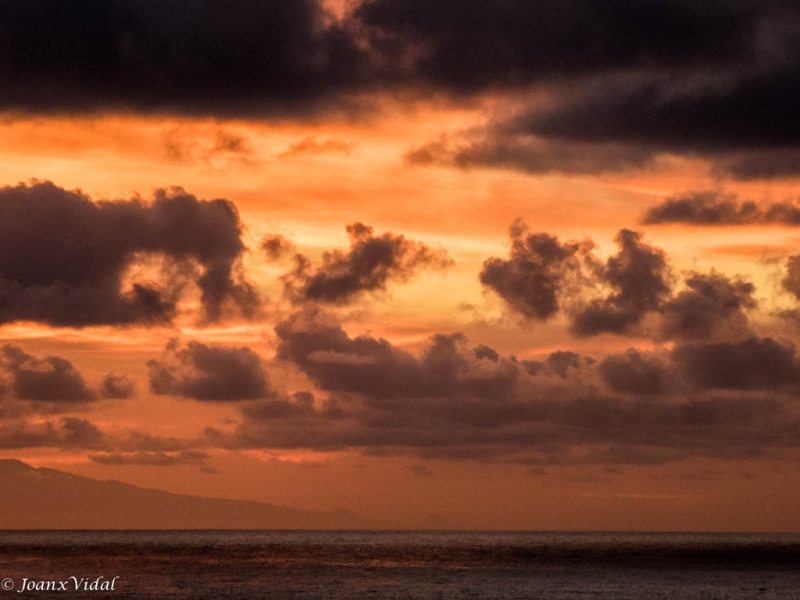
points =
(373, 367)
(634, 373)
(370, 264)
(64, 258)
(538, 269)
(543, 277)
(753, 363)
(213, 373)
(723, 400)
(639, 276)
(710, 302)
(52, 379)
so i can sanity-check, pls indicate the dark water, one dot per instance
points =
(392, 564)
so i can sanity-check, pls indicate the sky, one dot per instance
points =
(491, 264)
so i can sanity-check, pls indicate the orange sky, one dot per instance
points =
(465, 212)
(307, 176)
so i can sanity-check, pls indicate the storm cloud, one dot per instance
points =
(224, 59)
(65, 260)
(617, 84)
(370, 264)
(293, 58)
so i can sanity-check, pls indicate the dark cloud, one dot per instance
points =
(710, 302)
(116, 386)
(68, 432)
(498, 145)
(291, 58)
(370, 264)
(64, 259)
(52, 379)
(751, 364)
(277, 247)
(727, 401)
(466, 47)
(543, 277)
(791, 282)
(608, 110)
(639, 276)
(154, 459)
(284, 58)
(700, 116)
(562, 363)
(448, 402)
(482, 351)
(373, 367)
(538, 269)
(311, 146)
(216, 373)
(634, 373)
(616, 84)
(715, 207)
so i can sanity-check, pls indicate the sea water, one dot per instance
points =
(356, 565)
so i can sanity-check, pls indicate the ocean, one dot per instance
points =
(355, 565)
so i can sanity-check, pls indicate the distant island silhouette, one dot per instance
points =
(41, 498)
